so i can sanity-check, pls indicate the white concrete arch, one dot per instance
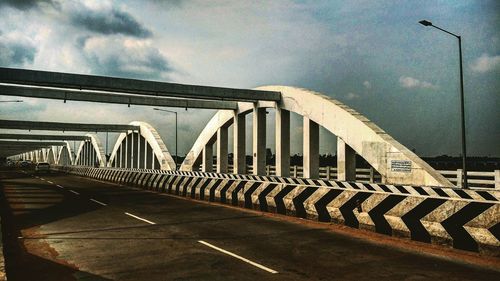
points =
(64, 156)
(51, 156)
(146, 148)
(90, 152)
(354, 131)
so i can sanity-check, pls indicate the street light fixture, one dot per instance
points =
(462, 110)
(176, 133)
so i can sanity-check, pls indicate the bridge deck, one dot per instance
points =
(64, 227)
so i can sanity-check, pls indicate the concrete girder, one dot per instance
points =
(59, 126)
(111, 97)
(379, 149)
(42, 137)
(153, 140)
(134, 86)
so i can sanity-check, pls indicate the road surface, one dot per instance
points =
(62, 227)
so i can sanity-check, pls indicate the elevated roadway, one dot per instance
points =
(63, 227)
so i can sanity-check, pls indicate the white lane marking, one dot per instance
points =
(59, 186)
(139, 218)
(98, 202)
(74, 192)
(42, 179)
(238, 257)
(50, 182)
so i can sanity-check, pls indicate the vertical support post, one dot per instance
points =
(346, 162)
(126, 151)
(328, 173)
(208, 157)
(145, 153)
(311, 148)
(239, 146)
(294, 171)
(259, 140)
(222, 142)
(497, 179)
(132, 150)
(139, 154)
(372, 175)
(459, 178)
(282, 142)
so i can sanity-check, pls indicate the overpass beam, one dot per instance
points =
(208, 157)
(222, 151)
(346, 162)
(239, 145)
(282, 142)
(259, 140)
(311, 148)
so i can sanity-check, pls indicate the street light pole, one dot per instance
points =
(462, 107)
(176, 133)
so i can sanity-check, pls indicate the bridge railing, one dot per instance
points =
(476, 179)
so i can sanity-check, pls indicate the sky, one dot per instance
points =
(371, 55)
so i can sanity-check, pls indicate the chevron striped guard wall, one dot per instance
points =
(464, 219)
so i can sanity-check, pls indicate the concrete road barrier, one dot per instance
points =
(463, 219)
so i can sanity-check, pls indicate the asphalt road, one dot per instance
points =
(62, 227)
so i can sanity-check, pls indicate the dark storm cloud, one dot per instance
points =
(26, 4)
(110, 22)
(16, 53)
(122, 60)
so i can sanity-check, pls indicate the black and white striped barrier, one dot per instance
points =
(464, 219)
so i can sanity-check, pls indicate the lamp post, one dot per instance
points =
(176, 133)
(462, 110)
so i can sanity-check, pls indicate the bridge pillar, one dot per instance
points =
(133, 150)
(259, 140)
(282, 142)
(311, 148)
(222, 150)
(149, 157)
(128, 148)
(346, 162)
(143, 150)
(208, 156)
(239, 145)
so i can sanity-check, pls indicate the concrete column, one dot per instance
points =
(132, 150)
(346, 162)
(128, 147)
(208, 158)
(282, 142)
(459, 177)
(153, 158)
(149, 157)
(142, 151)
(239, 147)
(123, 155)
(145, 153)
(135, 150)
(310, 149)
(259, 140)
(222, 141)
(138, 153)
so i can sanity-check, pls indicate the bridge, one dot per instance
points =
(401, 195)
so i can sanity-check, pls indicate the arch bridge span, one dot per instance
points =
(355, 134)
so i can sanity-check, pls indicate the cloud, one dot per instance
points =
(485, 63)
(410, 83)
(367, 84)
(107, 22)
(351, 96)
(15, 50)
(125, 58)
(26, 4)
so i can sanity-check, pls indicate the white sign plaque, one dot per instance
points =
(401, 166)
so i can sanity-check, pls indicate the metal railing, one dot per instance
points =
(490, 179)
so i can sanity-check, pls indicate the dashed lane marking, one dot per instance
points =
(50, 182)
(74, 192)
(238, 257)
(98, 202)
(139, 218)
(59, 186)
